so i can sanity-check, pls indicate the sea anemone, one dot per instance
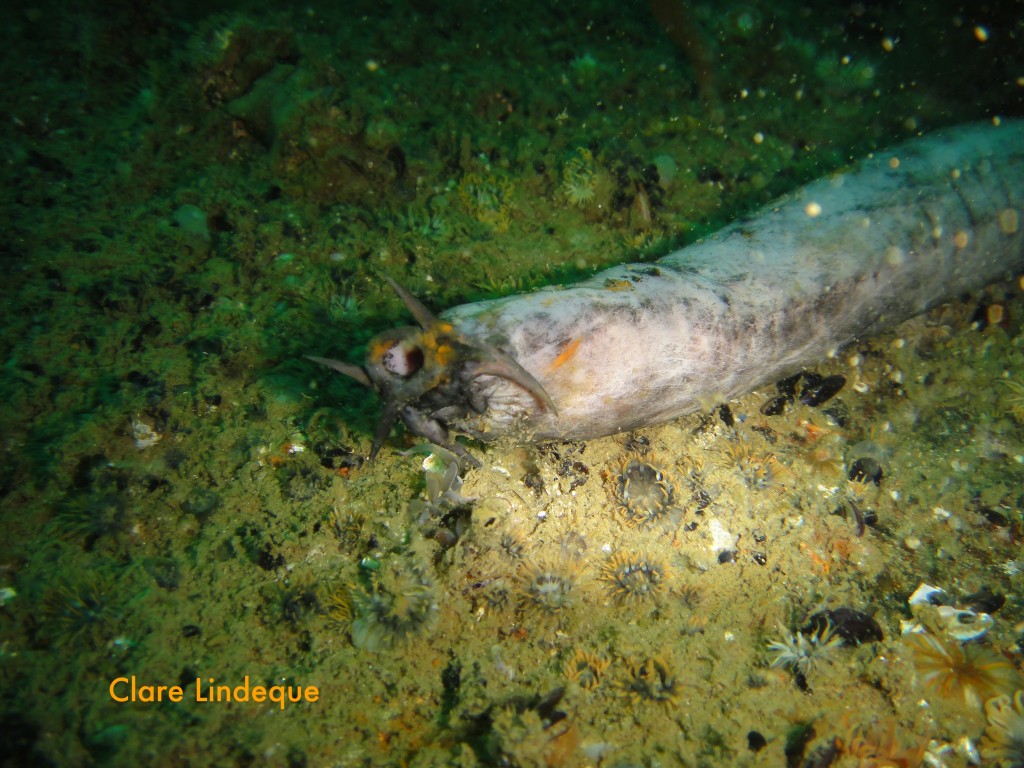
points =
(580, 178)
(760, 471)
(634, 578)
(94, 517)
(514, 542)
(1004, 736)
(645, 496)
(391, 609)
(339, 607)
(1014, 400)
(652, 679)
(81, 613)
(545, 589)
(585, 668)
(488, 199)
(800, 652)
(295, 602)
(953, 670)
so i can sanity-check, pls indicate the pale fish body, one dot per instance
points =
(839, 259)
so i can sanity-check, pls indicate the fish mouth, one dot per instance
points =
(424, 375)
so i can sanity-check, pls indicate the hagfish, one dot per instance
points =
(839, 259)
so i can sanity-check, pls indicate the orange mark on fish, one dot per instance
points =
(565, 355)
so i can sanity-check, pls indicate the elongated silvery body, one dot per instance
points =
(841, 258)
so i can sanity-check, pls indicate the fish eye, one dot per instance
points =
(402, 359)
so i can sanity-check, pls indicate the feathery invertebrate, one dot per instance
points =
(952, 670)
(1004, 736)
(800, 652)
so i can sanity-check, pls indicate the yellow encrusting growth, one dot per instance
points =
(565, 355)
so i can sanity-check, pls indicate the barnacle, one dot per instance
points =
(652, 679)
(487, 199)
(644, 495)
(800, 652)
(585, 668)
(634, 577)
(1004, 736)
(545, 589)
(392, 608)
(953, 670)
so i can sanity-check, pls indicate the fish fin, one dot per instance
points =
(502, 365)
(347, 369)
(423, 315)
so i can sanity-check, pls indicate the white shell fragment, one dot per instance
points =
(926, 594)
(144, 435)
(963, 625)
(932, 608)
